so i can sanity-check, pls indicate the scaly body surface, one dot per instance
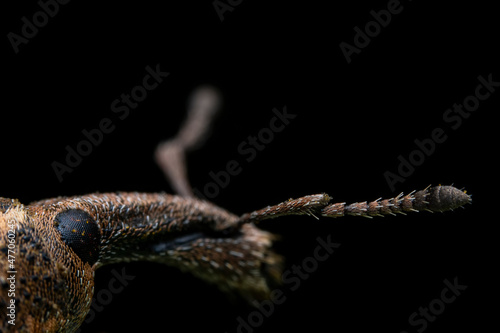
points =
(59, 243)
(51, 249)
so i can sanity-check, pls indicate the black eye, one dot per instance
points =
(80, 232)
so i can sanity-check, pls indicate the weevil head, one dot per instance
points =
(46, 275)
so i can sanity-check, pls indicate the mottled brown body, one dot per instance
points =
(50, 249)
(55, 284)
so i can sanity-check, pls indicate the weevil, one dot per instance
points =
(51, 249)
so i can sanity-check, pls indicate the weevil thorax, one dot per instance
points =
(45, 285)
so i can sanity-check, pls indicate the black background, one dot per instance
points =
(353, 120)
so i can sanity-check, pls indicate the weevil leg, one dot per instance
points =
(170, 155)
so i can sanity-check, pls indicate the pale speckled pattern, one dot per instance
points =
(55, 286)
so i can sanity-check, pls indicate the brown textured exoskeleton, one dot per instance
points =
(51, 249)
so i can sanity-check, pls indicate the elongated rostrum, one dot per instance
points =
(51, 249)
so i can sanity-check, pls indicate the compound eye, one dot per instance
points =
(80, 232)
